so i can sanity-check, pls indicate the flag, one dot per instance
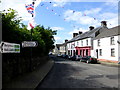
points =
(84, 14)
(42, 4)
(31, 25)
(30, 8)
(94, 18)
(73, 11)
(46, 7)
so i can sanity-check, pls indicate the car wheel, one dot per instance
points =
(87, 62)
(80, 60)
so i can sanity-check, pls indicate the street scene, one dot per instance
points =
(59, 44)
(71, 74)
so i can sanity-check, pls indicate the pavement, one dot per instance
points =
(32, 79)
(109, 64)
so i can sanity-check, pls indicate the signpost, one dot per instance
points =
(29, 44)
(9, 47)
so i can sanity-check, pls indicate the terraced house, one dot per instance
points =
(82, 44)
(101, 42)
(107, 45)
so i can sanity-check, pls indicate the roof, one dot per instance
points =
(58, 45)
(88, 34)
(109, 32)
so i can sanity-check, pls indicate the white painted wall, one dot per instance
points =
(106, 48)
(79, 42)
(119, 49)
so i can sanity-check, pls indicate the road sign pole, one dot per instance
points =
(31, 53)
(31, 47)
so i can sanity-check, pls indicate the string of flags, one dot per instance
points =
(31, 10)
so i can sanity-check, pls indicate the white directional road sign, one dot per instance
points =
(9, 47)
(29, 44)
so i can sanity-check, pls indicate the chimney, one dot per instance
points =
(66, 40)
(80, 32)
(104, 23)
(91, 27)
(75, 34)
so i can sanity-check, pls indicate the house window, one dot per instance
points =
(81, 43)
(100, 52)
(112, 41)
(98, 42)
(58, 48)
(77, 43)
(87, 42)
(112, 52)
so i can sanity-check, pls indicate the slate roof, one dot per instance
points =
(109, 32)
(58, 45)
(90, 33)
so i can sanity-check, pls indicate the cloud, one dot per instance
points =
(80, 18)
(58, 39)
(93, 11)
(19, 6)
(57, 28)
(91, 17)
(111, 2)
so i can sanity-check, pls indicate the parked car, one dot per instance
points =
(69, 57)
(59, 55)
(76, 57)
(89, 59)
(64, 56)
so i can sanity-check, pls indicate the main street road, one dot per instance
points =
(75, 74)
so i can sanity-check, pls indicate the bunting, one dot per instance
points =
(30, 9)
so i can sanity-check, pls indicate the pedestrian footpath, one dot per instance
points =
(31, 80)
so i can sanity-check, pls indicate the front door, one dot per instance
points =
(97, 52)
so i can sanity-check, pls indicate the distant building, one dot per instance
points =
(60, 48)
(56, 50)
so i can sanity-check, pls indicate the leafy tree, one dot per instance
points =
(15, 31)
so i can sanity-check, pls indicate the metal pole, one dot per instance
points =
(31, 47)
(31, 53)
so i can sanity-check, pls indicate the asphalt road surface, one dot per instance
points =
(75, 74)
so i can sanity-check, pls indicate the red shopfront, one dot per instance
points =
(83, 51)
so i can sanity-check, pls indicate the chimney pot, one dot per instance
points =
(80, 32)
(104, 23)
(66, 40)
(91, 27)
(75, 34)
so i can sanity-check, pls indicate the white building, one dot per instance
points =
(82, 44)
(107, 45)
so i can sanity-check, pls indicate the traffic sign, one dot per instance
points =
(9, 47)
(29, 44)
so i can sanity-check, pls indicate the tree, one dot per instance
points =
(16, 32)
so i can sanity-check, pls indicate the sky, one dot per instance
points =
(66, 16)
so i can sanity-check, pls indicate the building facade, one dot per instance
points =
(107, 46)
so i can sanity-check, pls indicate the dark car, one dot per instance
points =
(76, 57)
(69, 57)
(89, 59)
(64, 56)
